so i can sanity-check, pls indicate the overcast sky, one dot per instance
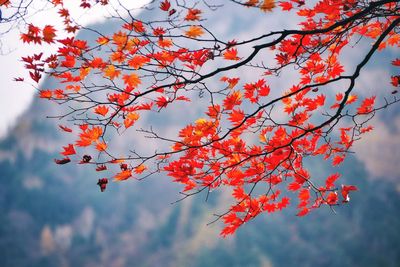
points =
(15, 97)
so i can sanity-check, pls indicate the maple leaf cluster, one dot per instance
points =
(252, 136)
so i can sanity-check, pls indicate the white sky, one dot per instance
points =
(15, 97)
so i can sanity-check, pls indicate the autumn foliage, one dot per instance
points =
(254, 136)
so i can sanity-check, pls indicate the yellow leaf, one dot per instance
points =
(102, 40)
(200, 121)
(351, 99)
(194, 32)
(263, 138)
(133, 116)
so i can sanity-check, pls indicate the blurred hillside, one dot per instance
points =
(52, 215)
(55, 215)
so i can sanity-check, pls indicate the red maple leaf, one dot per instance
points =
(165, 5)
(68, 150)
(345, 191)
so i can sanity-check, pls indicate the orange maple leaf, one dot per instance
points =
(130, 119)
(89, 135)
(231, 54)
(232, 82)
(232, 100)
(121, 176)
(138, 27)
(141, 168)
(45, 94)
(213, 111)
(111, 72)
(102, 40)
(194, 32)
(394, 40)
(267, 5)
(236, 117)
(101, 110)
(101, 146)
(118, 56)
(97, 63)
(165, 42)
(132, 80)
(137, 62)
(120, 39)
(351, 99)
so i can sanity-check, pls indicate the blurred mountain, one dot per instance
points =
(52, 215)
(55, 215)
